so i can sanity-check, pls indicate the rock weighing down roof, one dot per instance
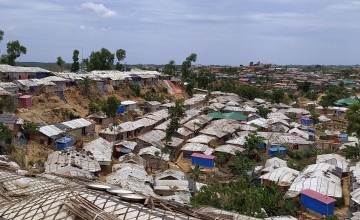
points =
(197, 147)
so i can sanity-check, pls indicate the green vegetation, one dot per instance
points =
(75, 66)
(196, 172)
(120, 55)
(170, 68)
(110, 106)
(100, 60)
(277, 96)
(185, 67)
(14, 51)
(175, 114)
(85, 85)
(30, 128)
(241, 195)
(263, 112)
(333, 93)
(60, 62)
(252, 146)
(7, 105)
(136, 88)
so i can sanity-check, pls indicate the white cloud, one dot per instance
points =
(99, 9)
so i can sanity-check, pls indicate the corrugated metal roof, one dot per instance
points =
(228, 148)
(77, 123)
(56, 129)
(101, 149)
(50, 130)
(19, 69)
(151, 151)
(282, 176)
(334, 159)
(202, 139)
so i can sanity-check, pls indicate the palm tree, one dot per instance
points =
(196, 172)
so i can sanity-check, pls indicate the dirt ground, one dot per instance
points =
(50, 109)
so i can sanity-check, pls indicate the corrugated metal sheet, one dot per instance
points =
(50, 130)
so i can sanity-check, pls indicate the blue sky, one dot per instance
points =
(228, 32)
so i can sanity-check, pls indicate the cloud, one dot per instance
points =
(99, 9)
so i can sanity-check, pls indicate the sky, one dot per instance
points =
(224, 32)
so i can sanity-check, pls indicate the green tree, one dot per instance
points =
(252, 145)
(60, 62)
(353, 117)
(196, 172)
(7, 105)
(263, 112)
(221, 158)
(247, 91)
(101, 60)
(120, 55)
(5, 135)
(1, 35)
(75, 66)
(352, 152)
(110, 106)
(170, 68)
(314, 117)
(14, 50)
(240, 165)
(85, 85)
(185, 67)
(277, 96)
(304, 86)
(136, 88)
(175, 114)
(205, 78)
(30, 128)
(189, 88)
(328, 100)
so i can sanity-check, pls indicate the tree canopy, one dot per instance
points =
(1, 35)
(75, 66)
(100, 60)
(277, 96)
(170, 68)
(185, 67)
(175, 114)
(14, 50)
(60, 62)
(353, 117)
(110, 106)
(120, 55)
(205, 78)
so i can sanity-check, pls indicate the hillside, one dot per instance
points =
(50, 109)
